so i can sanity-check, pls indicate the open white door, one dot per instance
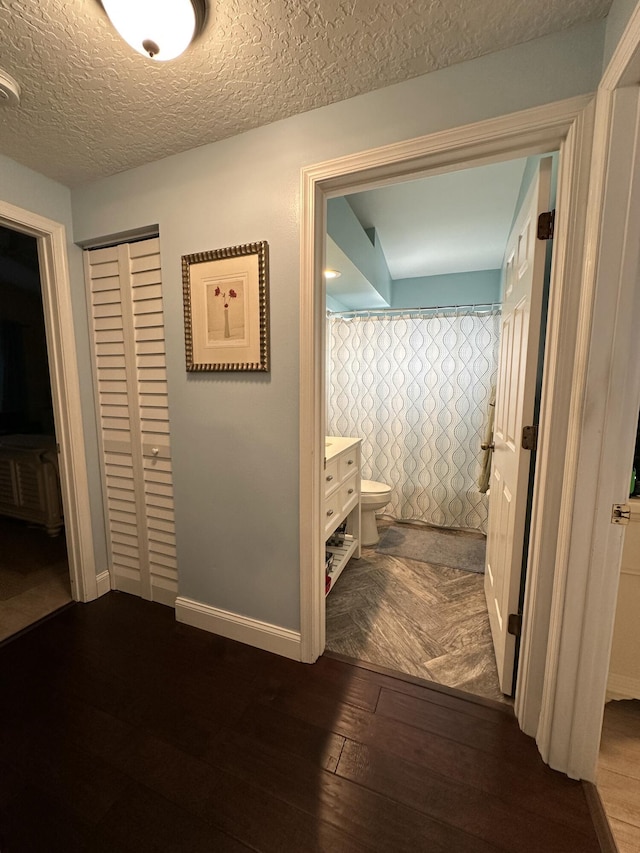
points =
(524, 269)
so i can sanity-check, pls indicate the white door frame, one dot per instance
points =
(603, 421)
(564, 126)
(65, 391)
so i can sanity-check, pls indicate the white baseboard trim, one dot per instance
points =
(261, 635)
(103, 581)
(622, 687)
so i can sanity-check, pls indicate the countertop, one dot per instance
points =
(334, 444)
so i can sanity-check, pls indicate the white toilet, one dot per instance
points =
(374, 496)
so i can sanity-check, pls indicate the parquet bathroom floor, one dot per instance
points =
(414, 618)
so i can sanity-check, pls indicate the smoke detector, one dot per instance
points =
(9, 89)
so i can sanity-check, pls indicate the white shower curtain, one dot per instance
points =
(416, 388)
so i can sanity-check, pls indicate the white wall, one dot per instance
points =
(31, 191)
(235, 437)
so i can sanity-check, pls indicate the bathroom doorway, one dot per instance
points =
(405, 610)
(34, 567)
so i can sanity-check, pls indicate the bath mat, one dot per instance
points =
(452, 548)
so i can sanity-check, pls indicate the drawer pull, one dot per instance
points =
(329, 512)
(329, 478)
(350, 462)
(350, 492)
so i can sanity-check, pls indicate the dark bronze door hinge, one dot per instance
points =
(529, 437)
(546, 221)
(514, 624)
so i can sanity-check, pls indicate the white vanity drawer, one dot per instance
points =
(341, 501)
(331, 475)
(349, 494)
(332, 514)
(348, 463)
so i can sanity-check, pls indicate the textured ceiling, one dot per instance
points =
(92, 107)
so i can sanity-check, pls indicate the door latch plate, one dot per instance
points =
(620, 514)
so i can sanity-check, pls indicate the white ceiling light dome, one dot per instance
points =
(158, 30)
(9, 89)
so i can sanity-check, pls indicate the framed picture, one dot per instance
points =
(226, 308)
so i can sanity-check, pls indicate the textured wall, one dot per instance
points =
(235, 437)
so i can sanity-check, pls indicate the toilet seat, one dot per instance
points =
(372, 491)
(373, 487)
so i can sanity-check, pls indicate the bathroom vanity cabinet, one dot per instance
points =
(624, 665)
(342, 499)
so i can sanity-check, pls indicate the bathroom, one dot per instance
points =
(416, 386)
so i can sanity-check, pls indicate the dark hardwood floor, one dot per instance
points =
(122, 730)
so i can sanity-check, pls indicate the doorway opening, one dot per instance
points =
(53, 261)
(413, 326)
(34, 567)
(564, 126)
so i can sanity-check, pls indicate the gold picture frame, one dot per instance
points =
(226, 308)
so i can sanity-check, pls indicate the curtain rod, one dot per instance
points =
(364, 312)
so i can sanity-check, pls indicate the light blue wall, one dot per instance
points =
(617, 19)
(234, 436)
(383, 278)
(335, 305)
(530, 171)
(30, 191)
(465, 288)
(346, 231)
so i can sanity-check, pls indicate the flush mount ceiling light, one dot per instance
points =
(332, 274)
(9, 89)
(160, 30)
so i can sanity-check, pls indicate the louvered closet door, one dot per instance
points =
(131, 381)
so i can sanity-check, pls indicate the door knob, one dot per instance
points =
(487, 446)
